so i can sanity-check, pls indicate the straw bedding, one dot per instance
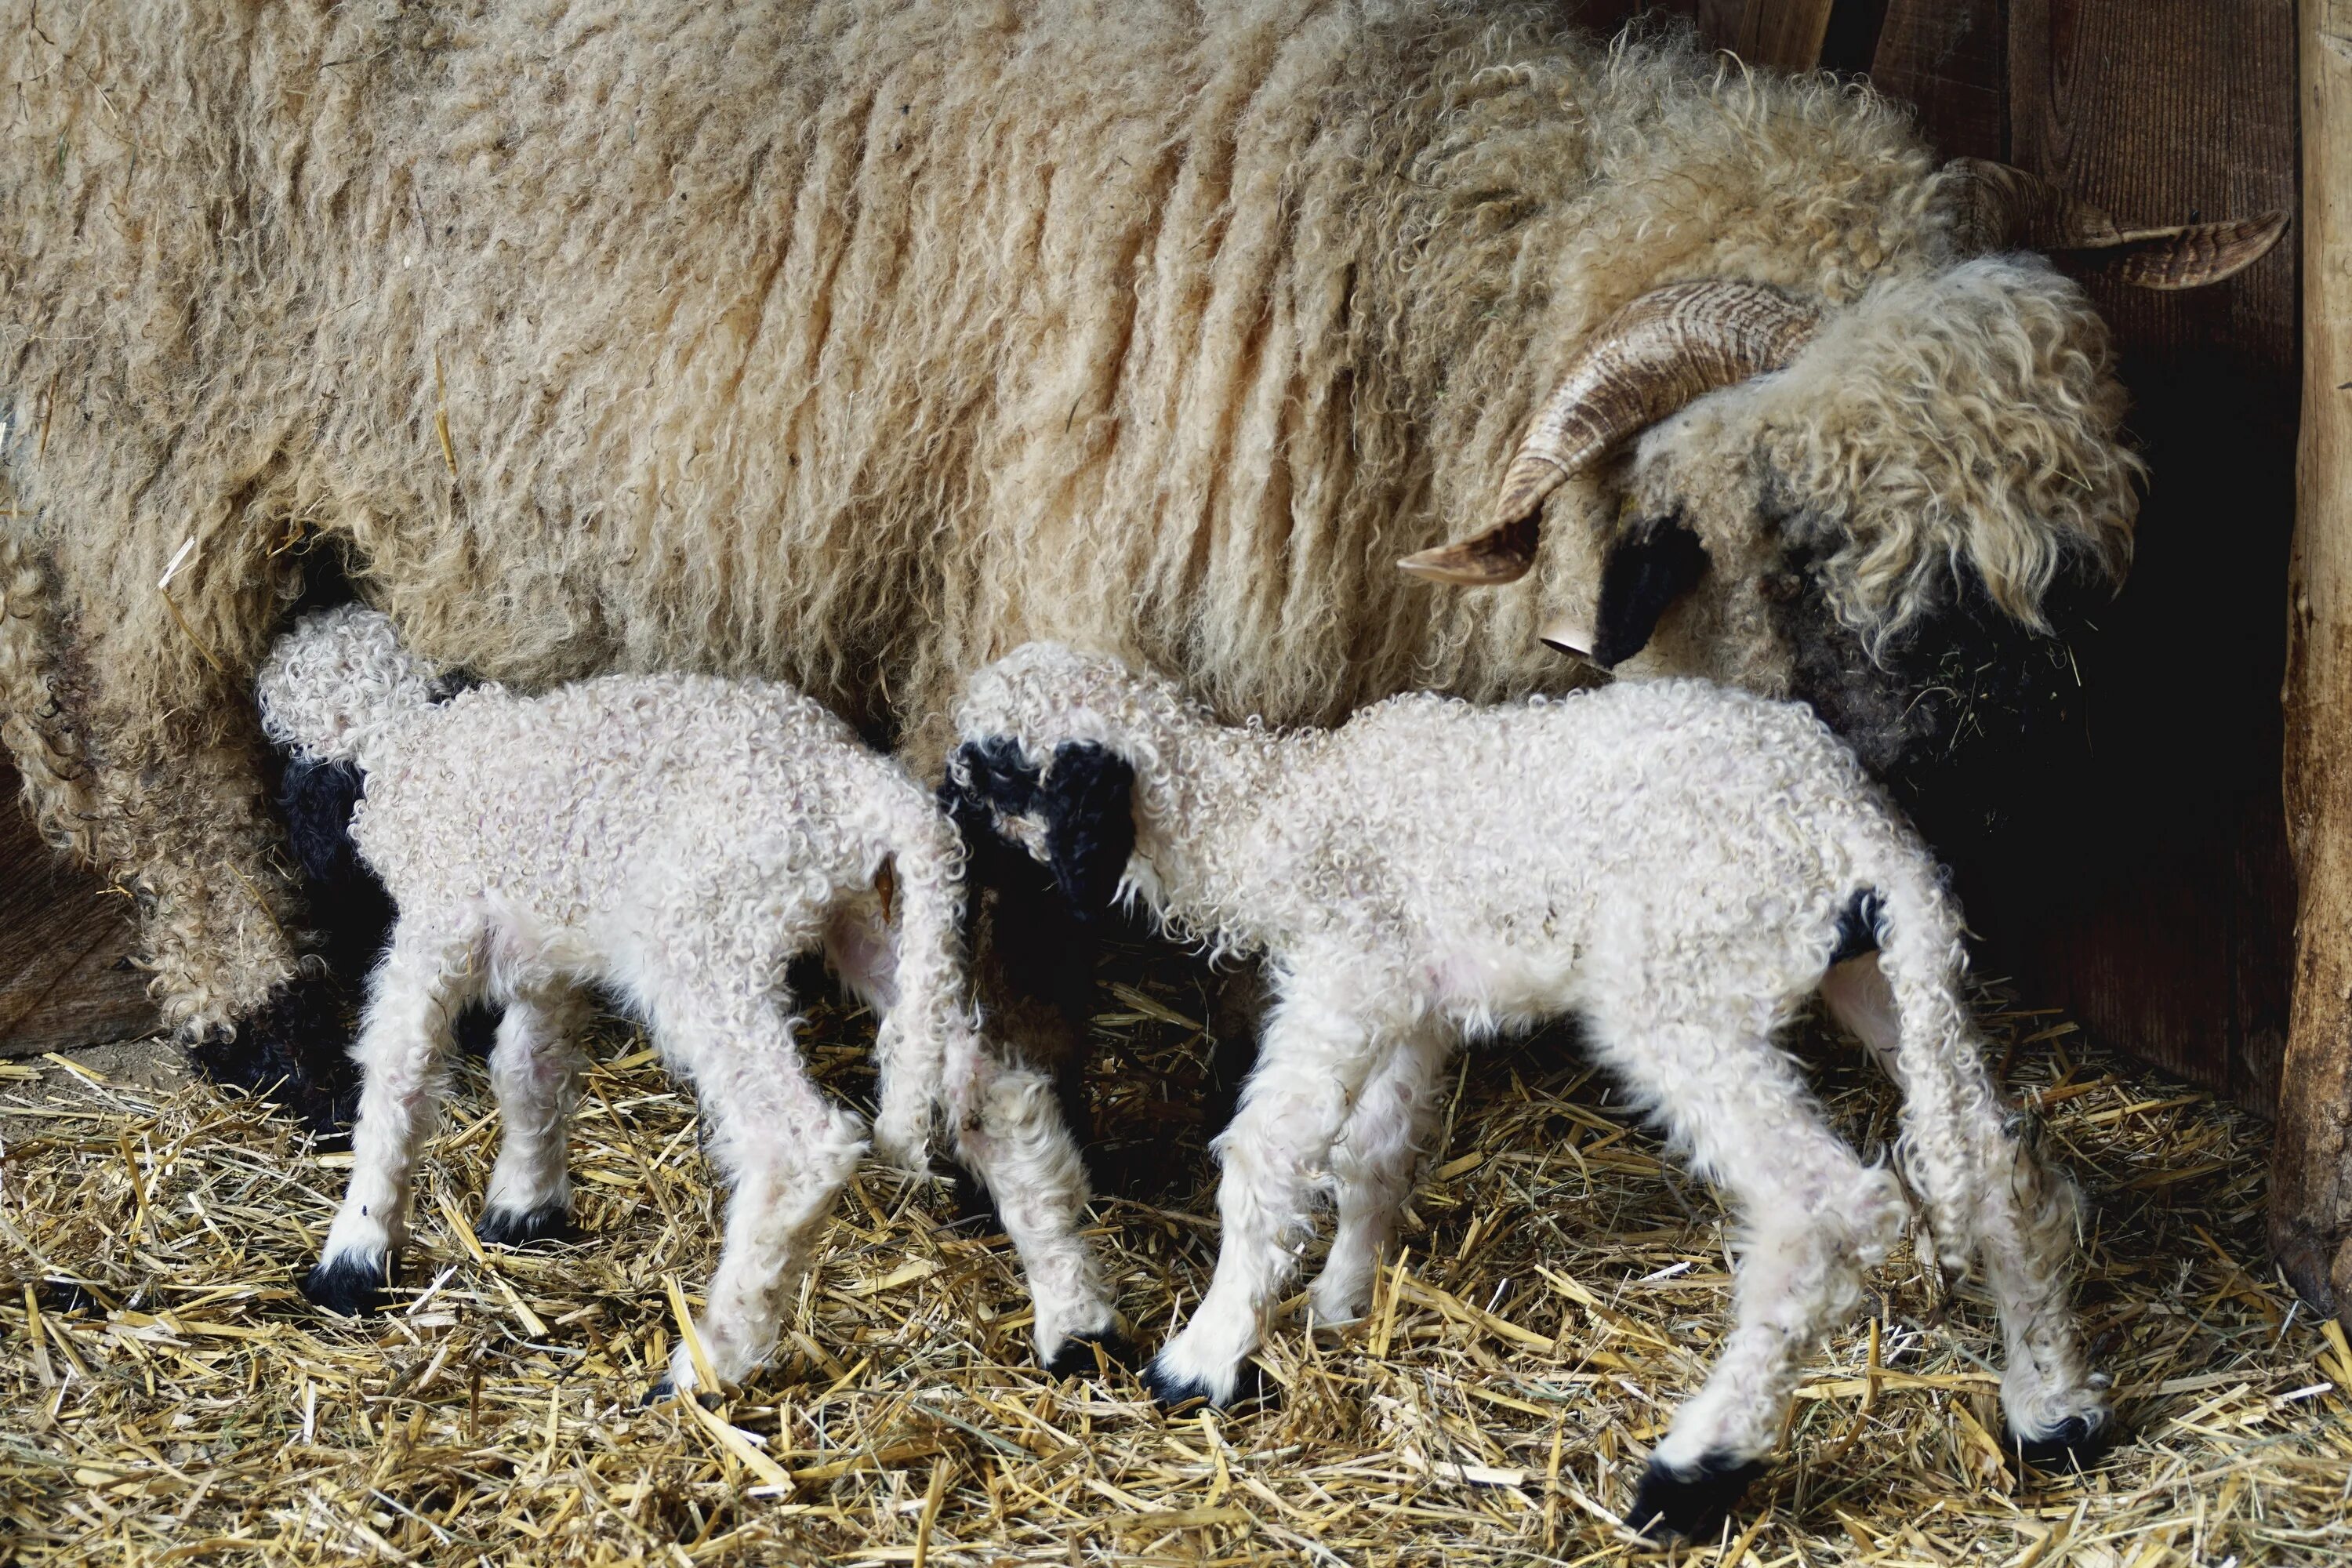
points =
(165, 1395)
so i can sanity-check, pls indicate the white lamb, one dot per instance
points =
(678, 839)
(1677, 864)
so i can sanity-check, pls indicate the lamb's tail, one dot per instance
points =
(929, 1034)
(1960, 1141)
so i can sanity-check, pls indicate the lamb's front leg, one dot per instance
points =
(535, 1074)
(1372, 1168)
(1277, 1157)
(426, 975)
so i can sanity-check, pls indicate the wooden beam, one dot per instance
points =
(2311, 1173)
(1785, 34)
(66, 977)
(1949, 59)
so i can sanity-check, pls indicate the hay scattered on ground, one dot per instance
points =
(166, 1397)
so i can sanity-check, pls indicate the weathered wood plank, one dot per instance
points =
(2311, 1173)
(2159, 920)
(1949, 59)
(65, 948)
(1783, 33)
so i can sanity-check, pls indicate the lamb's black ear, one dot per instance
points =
(1086, 801)
(995, 772)
(1654, 566)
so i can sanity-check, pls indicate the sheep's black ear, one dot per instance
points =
(1085, 799)
(1654, 566)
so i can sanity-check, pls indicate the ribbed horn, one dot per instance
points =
(2002, 208)
(1666, 349)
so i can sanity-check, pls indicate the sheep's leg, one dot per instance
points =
(1276, 1154)
(424, 976)
(1010, 1134)
(1815, 1218)
(784, 1147)
(535, 1074)
(1372, 1166)
(2025, 1222)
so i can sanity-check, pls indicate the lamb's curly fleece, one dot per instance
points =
(676, 839)
(1671, 860)
(851, 342)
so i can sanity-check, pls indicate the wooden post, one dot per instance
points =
(2311, 1178)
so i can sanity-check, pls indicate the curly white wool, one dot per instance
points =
(676, 839)
(1671, 860)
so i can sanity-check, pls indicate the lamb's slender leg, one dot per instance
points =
(784, 1148)
(427, 975)
(1815, 1218)
(1313, 1062)
(1010, 1132)
(1372, 1166)
(2025, 1220)
(535, 1073)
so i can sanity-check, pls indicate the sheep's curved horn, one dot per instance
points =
(1663, 349)
(2001, 207)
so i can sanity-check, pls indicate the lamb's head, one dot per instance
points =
(1053, 742)
(1891, 505)
(335, 682)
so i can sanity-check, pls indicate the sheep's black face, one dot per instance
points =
(1955, 709)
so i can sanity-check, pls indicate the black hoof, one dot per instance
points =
(347, 1286)
(1172, 1393)
(63, 1297)
(1694, 1506)
(1257, 1392)
(518, 1227)
(1077, 1357)
(2072, 1444)
(663, 1388)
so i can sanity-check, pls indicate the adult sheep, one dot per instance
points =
(855, 341)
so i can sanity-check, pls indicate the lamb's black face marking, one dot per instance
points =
(1656, 564)
(1084, 799)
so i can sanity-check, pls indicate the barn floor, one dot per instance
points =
(1560, 1291)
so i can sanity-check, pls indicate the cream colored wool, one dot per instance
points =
(854, 343)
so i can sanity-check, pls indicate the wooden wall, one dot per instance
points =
(66, 977)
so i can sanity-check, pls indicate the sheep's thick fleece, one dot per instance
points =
(676, 839)
(1672, 861)
(852, 343)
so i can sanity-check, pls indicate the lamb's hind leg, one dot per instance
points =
(2025, 1222)
(535, 1074)
(785, 1149)
(426, 975)
(1371, 1169)
(1815, 1220)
